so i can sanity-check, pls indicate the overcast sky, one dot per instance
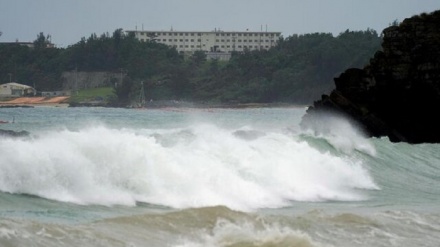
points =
(69, 20)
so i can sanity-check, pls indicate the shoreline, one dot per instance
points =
(30, 102)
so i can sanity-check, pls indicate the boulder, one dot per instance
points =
(398, 93)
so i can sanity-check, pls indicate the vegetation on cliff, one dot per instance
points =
(298, 70)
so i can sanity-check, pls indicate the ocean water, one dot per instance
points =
(210, 177)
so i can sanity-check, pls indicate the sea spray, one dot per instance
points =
(133, 156)
(201, 165)
(343, 134)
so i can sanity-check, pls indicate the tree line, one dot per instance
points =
(298, 70)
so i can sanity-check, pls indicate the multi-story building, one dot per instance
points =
(217, 43)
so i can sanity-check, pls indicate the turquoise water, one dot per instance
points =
(210, 177)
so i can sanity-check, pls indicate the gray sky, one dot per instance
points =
(69, 20)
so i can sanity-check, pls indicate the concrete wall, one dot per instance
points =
(73, 80)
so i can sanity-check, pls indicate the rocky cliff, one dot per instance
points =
(398, 93)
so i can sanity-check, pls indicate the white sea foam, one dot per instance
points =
(341, 133)
(203, 165)
(226, 233)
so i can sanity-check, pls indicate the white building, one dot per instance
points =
(13, 89)
(212, 43)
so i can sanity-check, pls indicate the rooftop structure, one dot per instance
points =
(213, 43)
(28, 44)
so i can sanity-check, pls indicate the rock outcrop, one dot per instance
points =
(398, 93)
(11, 133)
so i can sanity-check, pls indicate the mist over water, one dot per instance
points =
(341, 133)
(211, 177)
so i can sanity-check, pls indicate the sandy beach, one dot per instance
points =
(36, 101)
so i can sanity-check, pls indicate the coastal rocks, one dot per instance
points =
(11, 133)
(398, 93)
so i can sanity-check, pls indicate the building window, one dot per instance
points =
(228, 40)
(186, 40)
(181, 34)
(239, 46)
(228, 46)
(192, 34)
(192, 40)
(170, 40)
(223, 34)
(217, 40)
(256, 40)
(175, 40)
(239, 34)
(250, 46)
(223, 40)
(181, 46)
(142, 40)
(199, 40)
(216, 34)
(164, 40)
(192, 46)
(223, 46)
(186, 46)
(227, 34)
(239, 40)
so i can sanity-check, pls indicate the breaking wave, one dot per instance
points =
(202, 165)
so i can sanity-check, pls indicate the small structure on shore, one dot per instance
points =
(13, 89)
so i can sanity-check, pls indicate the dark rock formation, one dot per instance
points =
(11, 133)
(398, 93)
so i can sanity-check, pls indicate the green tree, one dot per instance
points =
(42, 41)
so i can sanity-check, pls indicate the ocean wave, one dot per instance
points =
(201, 165)
(342, 134)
